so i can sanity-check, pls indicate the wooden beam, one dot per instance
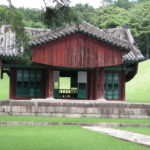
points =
(34, 66)
(118, 68)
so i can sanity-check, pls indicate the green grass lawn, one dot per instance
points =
(4, 88)
(62, 119)
(65, 82)
(138, 89)
(59, 138)
(141, 130)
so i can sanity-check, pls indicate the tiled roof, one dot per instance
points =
(134, 55)
(7, 40)
(84, 28)
(118, 37)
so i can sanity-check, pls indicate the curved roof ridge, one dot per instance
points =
(83, 27)
(107, 34)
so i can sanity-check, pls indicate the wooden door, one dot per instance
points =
(82, 84)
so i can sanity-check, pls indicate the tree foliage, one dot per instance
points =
(111, 17)
(113, 13)
(85, 12)
(126, 4)
(140, 25)
(57, 16)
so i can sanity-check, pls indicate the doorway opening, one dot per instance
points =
(70, 84)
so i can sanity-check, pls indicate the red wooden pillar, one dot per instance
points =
(91, 84)
(123, 85)
(96, 83)
(12, 83)
(49, 82)
(102, 82)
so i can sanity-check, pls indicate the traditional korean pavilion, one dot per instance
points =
(96, 62)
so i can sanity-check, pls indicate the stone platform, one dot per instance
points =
(75, 108)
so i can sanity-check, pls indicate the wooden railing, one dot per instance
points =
(68, 93)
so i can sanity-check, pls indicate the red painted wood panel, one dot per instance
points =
(77, 50)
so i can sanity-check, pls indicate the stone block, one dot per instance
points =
(42, 114)
(5, 108)
(40, 109)
(90, 110)
(146, 112)
(15, 109)
(72, 115)
(4, 103)
(57, 115)
(75, 110)
(21, 103)
(91, 115)
(4, 113)
(61, 109)
(51, 109)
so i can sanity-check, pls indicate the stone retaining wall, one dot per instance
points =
(75, 109)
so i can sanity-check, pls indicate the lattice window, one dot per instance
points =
(29, 83)
(112, 85)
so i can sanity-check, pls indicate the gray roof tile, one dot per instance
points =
(118, 37)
